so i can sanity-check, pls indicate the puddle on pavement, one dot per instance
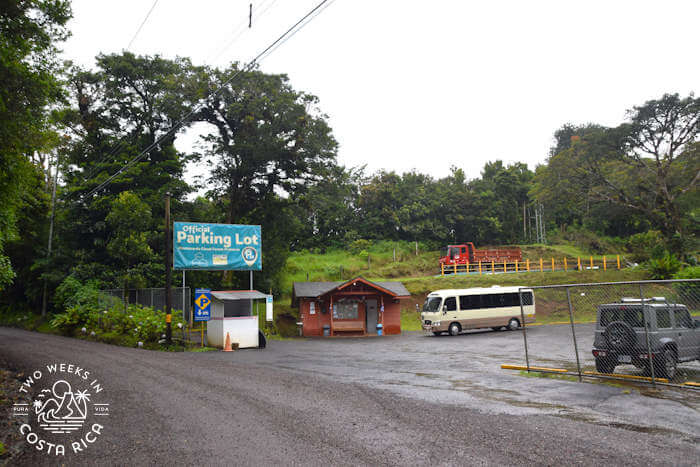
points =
(500, 395)
(651, 430)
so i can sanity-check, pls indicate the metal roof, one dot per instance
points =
(316, 289)
(237, 294)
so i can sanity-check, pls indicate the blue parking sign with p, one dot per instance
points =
(202, 304)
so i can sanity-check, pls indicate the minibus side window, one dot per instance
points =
(470, 302)
(450, 304)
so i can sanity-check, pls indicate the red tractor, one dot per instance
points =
(466, 254)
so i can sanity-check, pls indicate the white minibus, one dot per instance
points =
(456, 310)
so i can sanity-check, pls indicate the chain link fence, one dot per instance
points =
(154, 298)
(647, 330)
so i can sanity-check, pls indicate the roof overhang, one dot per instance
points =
(224, 295)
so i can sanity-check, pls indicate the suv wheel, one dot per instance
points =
(666, 366)
(604, 365)
(455, 329)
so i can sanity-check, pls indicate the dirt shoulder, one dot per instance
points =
(12, 445)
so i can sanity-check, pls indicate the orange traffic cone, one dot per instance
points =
(227, 345)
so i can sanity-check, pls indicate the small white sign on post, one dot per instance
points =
(312, 308)
(268, 308)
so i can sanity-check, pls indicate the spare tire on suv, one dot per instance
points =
(620, 336)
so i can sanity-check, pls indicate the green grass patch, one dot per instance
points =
(539, 374)
(343, 264)
(202, 349)
(419, 273)
(410, 320)
(424, 285)
(561, 377)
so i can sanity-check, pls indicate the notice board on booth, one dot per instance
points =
(225, 247)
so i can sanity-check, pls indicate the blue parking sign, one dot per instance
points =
(202, 304)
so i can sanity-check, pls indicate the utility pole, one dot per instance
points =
(168, 274)
(45, 298)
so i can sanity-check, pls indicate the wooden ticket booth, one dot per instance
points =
(356, 307)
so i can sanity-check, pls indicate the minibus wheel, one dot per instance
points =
(455, 328)
(513, 324)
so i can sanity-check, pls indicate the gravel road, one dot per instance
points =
(353, 401)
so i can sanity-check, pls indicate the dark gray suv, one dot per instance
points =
(620, 336)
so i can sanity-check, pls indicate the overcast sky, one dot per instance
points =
(429, 84)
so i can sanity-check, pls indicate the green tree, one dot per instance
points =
(642, 174)
(29, 70)
(129, 221)
(269, 144)
(329, 208)
(269, 138)
(661, 136)
(118, 111)
(503, 192)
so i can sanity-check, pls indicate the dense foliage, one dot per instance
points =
(272, 160)
(29, 31)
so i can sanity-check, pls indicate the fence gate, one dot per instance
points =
(646, 331)
(154, 297)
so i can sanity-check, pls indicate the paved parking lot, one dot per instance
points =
(466, 370)
(553, 345)
(339, 402)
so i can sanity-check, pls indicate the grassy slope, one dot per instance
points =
(418, 273)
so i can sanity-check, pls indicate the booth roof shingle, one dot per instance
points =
(315, 289)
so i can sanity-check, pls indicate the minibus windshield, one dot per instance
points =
(432, 304)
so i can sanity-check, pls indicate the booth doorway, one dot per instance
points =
(371, 314)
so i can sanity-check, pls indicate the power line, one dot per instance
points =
(119, 146)
(240, 29)
(307, 21)
(279, 41)
(264, 7)
(142, 23)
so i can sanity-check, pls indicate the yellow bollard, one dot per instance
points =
(541, 265)
(516, 265)
(579, 263)
(564, 263)
(605, 266)
(493, 267)
(479, 267)
(591, 262)
(618, 261)
(455, 267)
(442, 267)
(505, 268)
(467, 266)
(527, 263)
(552, 264)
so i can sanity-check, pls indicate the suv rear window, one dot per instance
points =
(663, 318)
(632, 315)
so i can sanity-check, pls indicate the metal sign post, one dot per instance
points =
(202, 304)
